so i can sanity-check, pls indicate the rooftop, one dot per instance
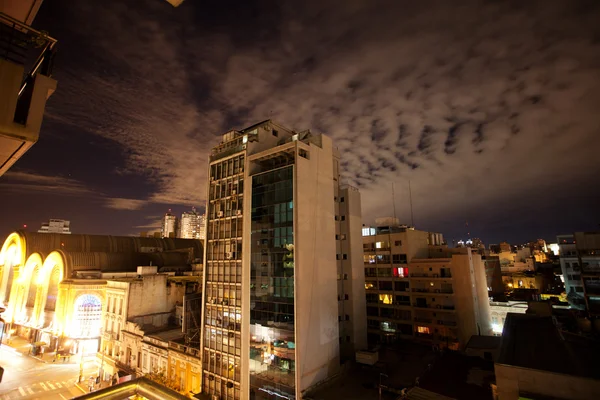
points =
(534, 342)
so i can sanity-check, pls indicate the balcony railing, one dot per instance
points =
(446, 323)
(429, 275)
(435, 291)
(424, 320)
(23, 45)
(185, 349)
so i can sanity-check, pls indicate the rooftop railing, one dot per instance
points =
(23, 45)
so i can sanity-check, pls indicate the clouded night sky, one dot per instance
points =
(490, 108)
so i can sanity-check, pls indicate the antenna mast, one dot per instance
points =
(412, 217)
(394, 202)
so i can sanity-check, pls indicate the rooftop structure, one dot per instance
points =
(56, 226)
(539, 360)
(26, 60)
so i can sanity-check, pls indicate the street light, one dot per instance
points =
(381, 374)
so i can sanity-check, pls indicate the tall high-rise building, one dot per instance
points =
(274, 261)
(168, 227)
(192, 225)
(56, 226)
(26, 58)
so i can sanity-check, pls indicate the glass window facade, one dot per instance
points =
(223, 278)
(272, 340)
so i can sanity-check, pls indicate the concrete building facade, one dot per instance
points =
(271, 274)
(421, 291)
(56, 226)
(22, 101)
(169, 227)
(571, 270)
(192, 225)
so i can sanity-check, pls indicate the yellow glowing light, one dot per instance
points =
(13, 250)
(510, 285)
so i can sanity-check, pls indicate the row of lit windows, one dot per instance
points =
(229, 167)
(231, 187)
(224, 228)
(385, 258)
(228, 273)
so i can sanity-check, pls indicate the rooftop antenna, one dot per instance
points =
(394, 202)
(412, 217)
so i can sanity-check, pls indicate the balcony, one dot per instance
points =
(430, 275)
(423, 320)
(185, 349)
(433, 290)
(23, 92)
(446, 323)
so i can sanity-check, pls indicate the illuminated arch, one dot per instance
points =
(52, 273)
(25, 288)
(12, 255)
(87, 316)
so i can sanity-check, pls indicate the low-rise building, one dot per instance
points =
(539, 361)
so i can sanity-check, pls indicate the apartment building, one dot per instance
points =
(571, 270)
(418, 289)
(588, 253)
(275, 245)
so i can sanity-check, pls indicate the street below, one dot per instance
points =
(26, 377)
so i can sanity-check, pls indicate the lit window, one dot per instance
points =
(369, 285)
(424, 330)
(386, 298)
(378, 245)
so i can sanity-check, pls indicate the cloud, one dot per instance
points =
(28, 182)
(125, 204)
(477, 103)
(32, 182)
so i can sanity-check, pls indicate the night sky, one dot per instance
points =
(490, 108)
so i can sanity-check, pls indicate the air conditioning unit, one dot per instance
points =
(238, 212)
(233, 192)
(220, 214)
(229, 255)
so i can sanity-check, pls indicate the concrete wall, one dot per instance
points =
(355, 307)
(513, 381)
(148, 295)
(317, 330)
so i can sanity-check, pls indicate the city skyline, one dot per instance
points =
(491, 125)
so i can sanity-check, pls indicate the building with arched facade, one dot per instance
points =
(53, 286)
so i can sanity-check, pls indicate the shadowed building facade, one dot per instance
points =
(53, 285)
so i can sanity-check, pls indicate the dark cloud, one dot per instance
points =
(479, 103)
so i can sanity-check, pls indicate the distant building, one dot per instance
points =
(192, 225)
(169, 227)
(56, 226)
(421, 290)
(588, 253)
(493, 274)
(539, 361)
(499, 311)
(571, 270)
(505, 246)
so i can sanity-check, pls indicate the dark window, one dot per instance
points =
(342, 218)
(578, 289)
(398, 243)
(341, 199)
(303, 153)
(344, 256)
(275, 133)
(399, 258)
